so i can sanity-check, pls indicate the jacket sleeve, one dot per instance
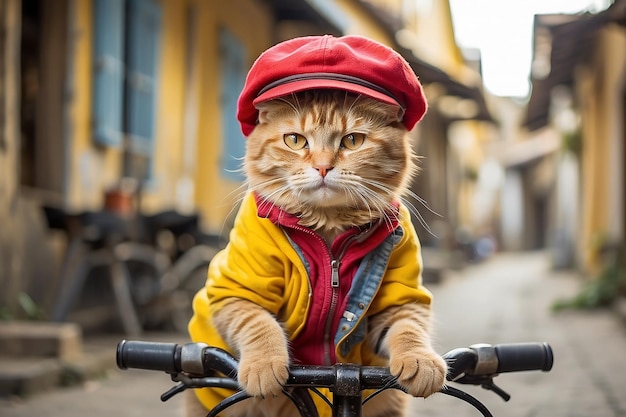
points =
(252, 266)
(402, 283)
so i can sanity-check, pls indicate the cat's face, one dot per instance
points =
(329, 150)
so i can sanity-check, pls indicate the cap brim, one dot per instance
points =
(312, 84)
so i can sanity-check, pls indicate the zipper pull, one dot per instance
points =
(334, 279)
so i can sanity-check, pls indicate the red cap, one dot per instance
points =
(351, 63)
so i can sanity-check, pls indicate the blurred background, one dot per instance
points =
(120, 150)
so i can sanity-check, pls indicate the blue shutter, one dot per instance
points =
(144, 27)
(233, 73)
(108, 87)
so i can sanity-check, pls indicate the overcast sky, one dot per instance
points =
(502, 30)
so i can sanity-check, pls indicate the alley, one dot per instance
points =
(506, 299)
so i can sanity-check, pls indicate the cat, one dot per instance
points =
(326, 171)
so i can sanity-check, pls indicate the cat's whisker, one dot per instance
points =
(386, 190)
(241, 170)
(381, 208)
(412, 209)
(356, 99)
(267, 203)
(266, 185)
(422, 221)
(351, 195)
(237, 195)
(292, 102)
(272, 198)
(233, 199)
(355, 197)
(358, 187)
(421, 201)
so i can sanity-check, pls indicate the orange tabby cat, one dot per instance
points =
(323, 264)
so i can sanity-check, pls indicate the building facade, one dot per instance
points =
(128, 106)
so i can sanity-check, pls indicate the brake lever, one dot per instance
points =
(177, 389)
(485, 382)
(491, 386)
(184, 382)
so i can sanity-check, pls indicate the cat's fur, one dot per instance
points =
(331, 188)
(370, 178)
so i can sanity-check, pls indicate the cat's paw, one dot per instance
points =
(421, 373)
(263, 376)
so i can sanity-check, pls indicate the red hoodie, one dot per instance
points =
(331, 271)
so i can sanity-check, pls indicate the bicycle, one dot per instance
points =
(197, 365)
(155, 264)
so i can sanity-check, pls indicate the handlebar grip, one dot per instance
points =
(149, 355)
(516, 357)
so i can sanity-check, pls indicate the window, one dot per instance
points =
(233, 71)
(126, 45)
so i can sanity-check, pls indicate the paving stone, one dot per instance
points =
(505, 299)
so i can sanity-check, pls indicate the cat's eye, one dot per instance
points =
(353, 140)
(295, 141)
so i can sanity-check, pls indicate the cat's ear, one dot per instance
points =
(264, 113)
(389, 113)
(263, 116)
(399, 114)
(262, 119)
(394, 114)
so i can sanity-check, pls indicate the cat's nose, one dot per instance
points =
(323, 170)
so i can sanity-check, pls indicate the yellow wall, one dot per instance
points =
(434, 36)
(362, 23)
(601, 89)
(91, 169)
(189, 81)
(215, 195)
(169, 120)
(188, 127)
(94, 169)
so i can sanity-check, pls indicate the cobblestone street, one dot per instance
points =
(506, 299)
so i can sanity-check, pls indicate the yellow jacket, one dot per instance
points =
(260, 264)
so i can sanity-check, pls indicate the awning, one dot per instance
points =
(324, 15)
(429, 73)
(518, 154)
(572, 38)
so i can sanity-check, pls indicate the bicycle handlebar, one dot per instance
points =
(517, 357)
(194, 365)
(466, 365)
(484, 360)
(155, 356)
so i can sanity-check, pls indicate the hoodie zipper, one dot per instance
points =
(335, 263)
(334, 297)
